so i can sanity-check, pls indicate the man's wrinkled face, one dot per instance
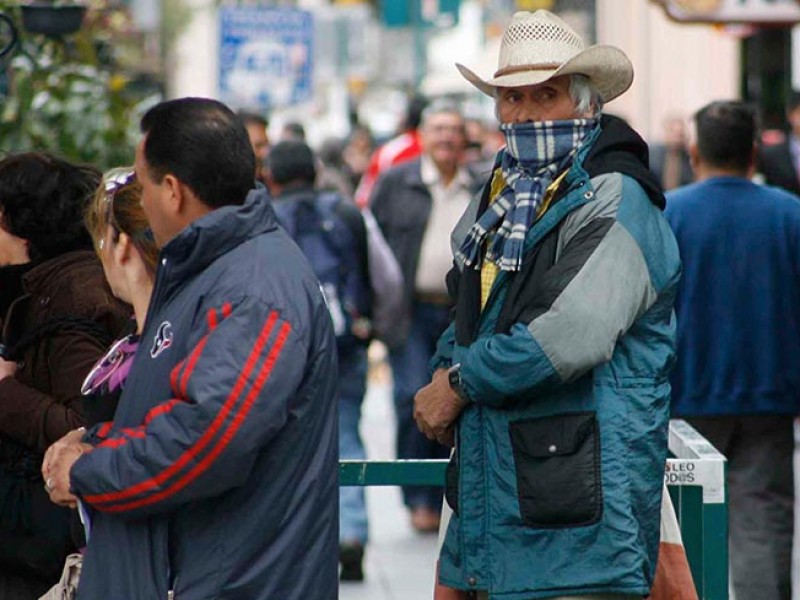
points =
(548, 101)
(443, 138)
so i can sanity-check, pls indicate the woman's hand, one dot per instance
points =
(58, 461)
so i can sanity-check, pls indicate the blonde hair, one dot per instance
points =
(117, 202)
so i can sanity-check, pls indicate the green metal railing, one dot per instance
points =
(695, 478)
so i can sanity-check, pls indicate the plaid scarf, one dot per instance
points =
(534, 154)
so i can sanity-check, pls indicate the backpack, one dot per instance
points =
(335, 245)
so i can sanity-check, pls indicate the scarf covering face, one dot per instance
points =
(534, 154)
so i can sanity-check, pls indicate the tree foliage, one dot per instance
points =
(72, 96)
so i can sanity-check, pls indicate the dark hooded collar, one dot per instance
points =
(619, 149)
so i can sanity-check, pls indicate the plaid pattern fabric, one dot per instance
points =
(534, 154)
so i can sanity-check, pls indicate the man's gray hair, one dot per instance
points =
(583, 94)
(438, 107)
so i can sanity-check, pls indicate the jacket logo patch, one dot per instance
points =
(162, 339)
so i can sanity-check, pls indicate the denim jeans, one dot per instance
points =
(352, 387)
(410, 373)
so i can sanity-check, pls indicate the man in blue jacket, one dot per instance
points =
(552, 381)
(737, 376)
(218, 477)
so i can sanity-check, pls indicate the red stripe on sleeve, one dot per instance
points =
(104, 429)
(209, 434)
(174, 376)
(133, 432)
(161, 409)
(191, 361)
(113, 443)
(224, 440)
(193, 358)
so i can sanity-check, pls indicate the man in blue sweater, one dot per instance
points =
(737, 378)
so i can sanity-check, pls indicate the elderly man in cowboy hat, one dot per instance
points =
(552, 381)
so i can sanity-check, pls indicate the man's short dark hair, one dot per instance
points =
(294, 130)
(202, 143)
(250, 117)
(416, 105)
(726, 133)
(292, 161)
(43, 199)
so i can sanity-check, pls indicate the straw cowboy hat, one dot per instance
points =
(539, 46)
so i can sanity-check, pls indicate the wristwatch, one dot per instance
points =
(456, 383)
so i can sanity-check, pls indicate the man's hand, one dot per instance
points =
(8, 368)
(58, 461)
(436, 408)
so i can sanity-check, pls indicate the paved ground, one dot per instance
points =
(399, 562)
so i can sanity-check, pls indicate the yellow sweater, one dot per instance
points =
(489, 270)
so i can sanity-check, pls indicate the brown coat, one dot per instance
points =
(43, 401)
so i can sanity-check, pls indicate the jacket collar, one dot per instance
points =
(218, 232)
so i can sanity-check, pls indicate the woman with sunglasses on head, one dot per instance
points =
(124, 242)
(57, 316)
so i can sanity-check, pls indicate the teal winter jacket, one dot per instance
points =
(557, 476)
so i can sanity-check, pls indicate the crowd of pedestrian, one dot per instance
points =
(184, 346)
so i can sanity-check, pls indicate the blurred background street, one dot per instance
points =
(399, 562)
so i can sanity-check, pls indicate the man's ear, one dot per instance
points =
(273, 186)
(694, 157)
(174, 194)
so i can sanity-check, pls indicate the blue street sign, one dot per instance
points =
(265, 57)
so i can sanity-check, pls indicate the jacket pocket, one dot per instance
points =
(557, 464)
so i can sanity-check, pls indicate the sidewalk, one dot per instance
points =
(399, 563)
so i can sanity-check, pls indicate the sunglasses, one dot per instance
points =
(113, 185)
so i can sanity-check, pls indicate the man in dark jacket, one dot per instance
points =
(331, 232)
(218, 477)
(736, 378)
(416, 205)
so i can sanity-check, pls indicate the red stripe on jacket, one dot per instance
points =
(104, 429)
(227, 436)
(192, 359)
(206, 438)
(113, 443)
(161, 409)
